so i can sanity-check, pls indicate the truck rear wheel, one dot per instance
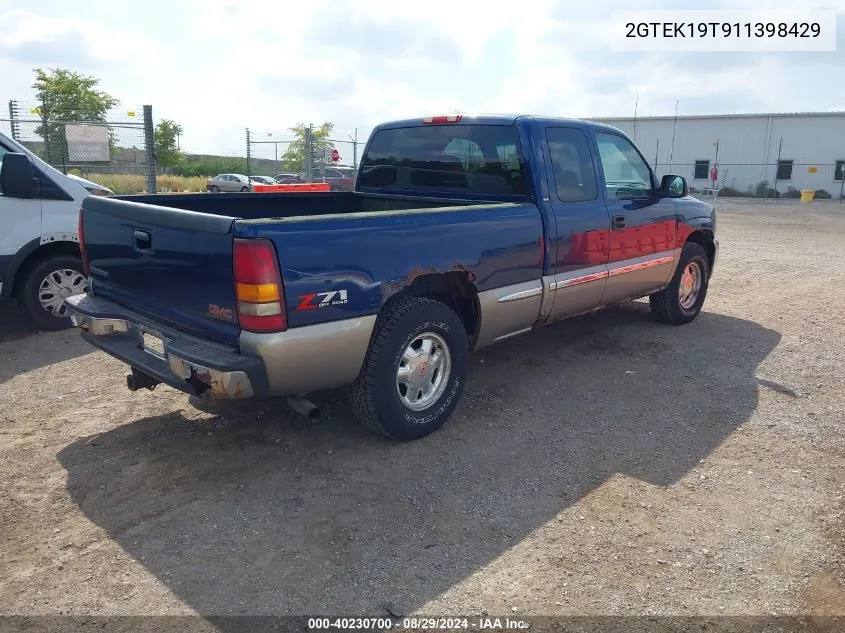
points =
(414, 371)
(46, 285)
(681, 301)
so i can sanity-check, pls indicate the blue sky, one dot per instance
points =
(219, 67)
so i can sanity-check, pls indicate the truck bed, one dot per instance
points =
(170, 258)
(255, 206)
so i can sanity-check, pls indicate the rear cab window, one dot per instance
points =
(457, 159)
(3, 152)
(572, 164)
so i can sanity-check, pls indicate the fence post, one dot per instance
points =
(13, 119)
(248, 162)
(46, 134)
(777, 166)
(149, 149)
(308, 153)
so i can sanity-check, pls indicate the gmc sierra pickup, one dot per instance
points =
(461, 232)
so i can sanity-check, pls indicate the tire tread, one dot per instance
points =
(362, 390)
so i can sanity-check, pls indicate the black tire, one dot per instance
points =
(214, 189)
(30, 288)
(376, 399)
(666, 305)
(244, 189)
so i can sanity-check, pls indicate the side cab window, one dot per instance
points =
(626, 174)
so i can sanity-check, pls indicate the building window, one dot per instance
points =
(784, 170)
(702, 170)
(839, 170)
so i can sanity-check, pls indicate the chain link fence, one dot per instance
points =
(117, 152)
(309, 158)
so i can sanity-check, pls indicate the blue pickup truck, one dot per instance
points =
(461, 232)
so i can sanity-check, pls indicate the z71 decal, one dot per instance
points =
(316, 300)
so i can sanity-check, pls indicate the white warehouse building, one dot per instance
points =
(803, 150)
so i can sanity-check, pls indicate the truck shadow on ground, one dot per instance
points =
(42, 348)
(252, 511)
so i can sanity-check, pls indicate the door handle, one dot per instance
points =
(618, 222)
(143, 240)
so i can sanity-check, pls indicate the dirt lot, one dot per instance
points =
(606, 465)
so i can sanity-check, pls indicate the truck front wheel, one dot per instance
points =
(46, 285)
(414, 371)
(681, 301)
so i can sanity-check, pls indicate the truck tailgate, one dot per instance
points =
(171, 265)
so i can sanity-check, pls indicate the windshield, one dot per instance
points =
(475, 159)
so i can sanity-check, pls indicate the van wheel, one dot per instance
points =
(414, 371)
(681, 301)
(45, 287)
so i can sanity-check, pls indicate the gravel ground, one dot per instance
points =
(606, 465)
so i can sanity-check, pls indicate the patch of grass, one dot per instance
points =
(128, 184)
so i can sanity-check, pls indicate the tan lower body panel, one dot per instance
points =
(508, 311)
(313, 357)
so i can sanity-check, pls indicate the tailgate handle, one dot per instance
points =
(143, 240)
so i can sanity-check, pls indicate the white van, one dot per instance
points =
(40, 263)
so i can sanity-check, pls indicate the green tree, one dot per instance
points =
(167, 150)
(294, 156)
(66, 95)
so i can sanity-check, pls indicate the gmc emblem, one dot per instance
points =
(217, 312)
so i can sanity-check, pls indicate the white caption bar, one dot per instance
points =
(680, 31)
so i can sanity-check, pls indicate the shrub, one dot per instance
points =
(821, 194)
(791, 194)
(128, 184)
(763, 190)
(730, 192)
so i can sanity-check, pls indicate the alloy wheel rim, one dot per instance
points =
(423, 371)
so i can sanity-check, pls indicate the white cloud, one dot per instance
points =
(28, 33)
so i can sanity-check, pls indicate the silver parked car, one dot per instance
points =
(228, 182)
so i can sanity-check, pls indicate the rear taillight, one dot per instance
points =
(82, 250)
(258, 286)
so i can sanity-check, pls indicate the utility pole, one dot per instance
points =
(674, 126)
(656, 151)
(636, 103)
(777, 166)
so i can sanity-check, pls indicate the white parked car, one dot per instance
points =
(40, 264)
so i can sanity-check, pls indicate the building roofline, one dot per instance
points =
(688, 117)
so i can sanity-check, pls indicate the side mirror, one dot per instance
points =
(17, 177)
(673, 186)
